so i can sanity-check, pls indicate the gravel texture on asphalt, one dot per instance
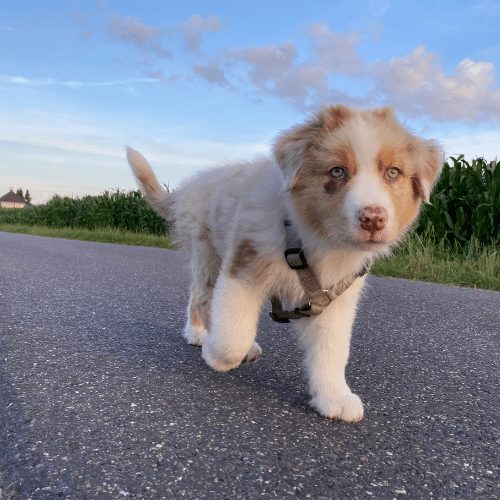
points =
(100, 396)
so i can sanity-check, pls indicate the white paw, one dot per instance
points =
(348, 408)
(194, 335)
(215, 360)
(253, 354)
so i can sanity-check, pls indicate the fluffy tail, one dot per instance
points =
(156, 195)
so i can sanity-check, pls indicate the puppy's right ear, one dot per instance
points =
(291, 146)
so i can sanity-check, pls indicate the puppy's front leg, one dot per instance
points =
(326, 340)
(235, 314)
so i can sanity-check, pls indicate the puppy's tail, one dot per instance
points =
(156, 195)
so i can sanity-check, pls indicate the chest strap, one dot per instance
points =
(318, 298)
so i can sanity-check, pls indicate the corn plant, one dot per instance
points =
(465, 203)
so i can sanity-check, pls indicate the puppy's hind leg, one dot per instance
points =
(235, 314)
(196, 328)
(205, 267)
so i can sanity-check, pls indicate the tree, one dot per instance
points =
(27, 196)
(19, 192)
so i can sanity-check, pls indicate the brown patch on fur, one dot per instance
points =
(431, 165)
(333, 116)
(405, 204)
(195, 317)
(292, 147)
(245, 254)
(418, 190)
(400, 189)
(392, 156)
(333, 185)
(204, 233)
(382, 114)
(246, 264)
(342, 157)
(317, 194)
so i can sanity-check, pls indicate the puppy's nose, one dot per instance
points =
(372, 218)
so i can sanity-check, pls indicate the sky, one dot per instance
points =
(194, 84)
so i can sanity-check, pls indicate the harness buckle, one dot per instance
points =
(295, 258)
(277, 319)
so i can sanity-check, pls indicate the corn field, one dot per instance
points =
(117, 209)
(465, 205)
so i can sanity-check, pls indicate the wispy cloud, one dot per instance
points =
(193, 29)
(145, 37)
(4, 27)
(74, 84)
(279, 70)
(211, 72)
(337, 51)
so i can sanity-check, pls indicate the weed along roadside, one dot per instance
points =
(455, 241)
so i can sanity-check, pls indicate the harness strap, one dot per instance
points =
(319, 298)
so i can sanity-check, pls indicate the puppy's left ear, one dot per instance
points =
(291, 146)
(429, 168)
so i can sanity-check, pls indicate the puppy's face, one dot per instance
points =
(357, 178)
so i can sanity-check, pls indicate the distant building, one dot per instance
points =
(12, 200)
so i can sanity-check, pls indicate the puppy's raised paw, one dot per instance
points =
(348, 408)
(194, 335)
(254, 354)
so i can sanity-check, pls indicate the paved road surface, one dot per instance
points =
(101, 398)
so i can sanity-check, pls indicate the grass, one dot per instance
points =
(420, 258)
(104, 235)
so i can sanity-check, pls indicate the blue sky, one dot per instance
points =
(197, 83)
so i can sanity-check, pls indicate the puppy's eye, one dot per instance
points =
(337, 172)
(392, 173)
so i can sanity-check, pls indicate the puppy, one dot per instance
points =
(350, 182)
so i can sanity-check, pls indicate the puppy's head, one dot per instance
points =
(356, 178)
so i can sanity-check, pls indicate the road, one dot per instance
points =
(100, 397)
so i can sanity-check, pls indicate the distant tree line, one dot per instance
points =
(26, 196)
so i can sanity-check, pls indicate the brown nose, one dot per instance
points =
(373, 218)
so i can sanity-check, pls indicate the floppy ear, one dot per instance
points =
(291, 146)
(429, 168)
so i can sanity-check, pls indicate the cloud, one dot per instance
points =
(268, 62)
(279, 70)
(193, 29)
(325, 70)
(337, 52)
(417, 85)
(211, 72)
(74, 84)
(146, 38)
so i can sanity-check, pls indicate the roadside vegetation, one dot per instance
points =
(103, 235)
(456, 240)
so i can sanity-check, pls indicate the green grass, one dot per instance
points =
(104, 235)
(420, 258)
(471, 264)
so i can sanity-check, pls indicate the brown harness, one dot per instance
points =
(318, 298)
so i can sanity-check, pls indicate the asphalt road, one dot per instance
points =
(100, 397)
